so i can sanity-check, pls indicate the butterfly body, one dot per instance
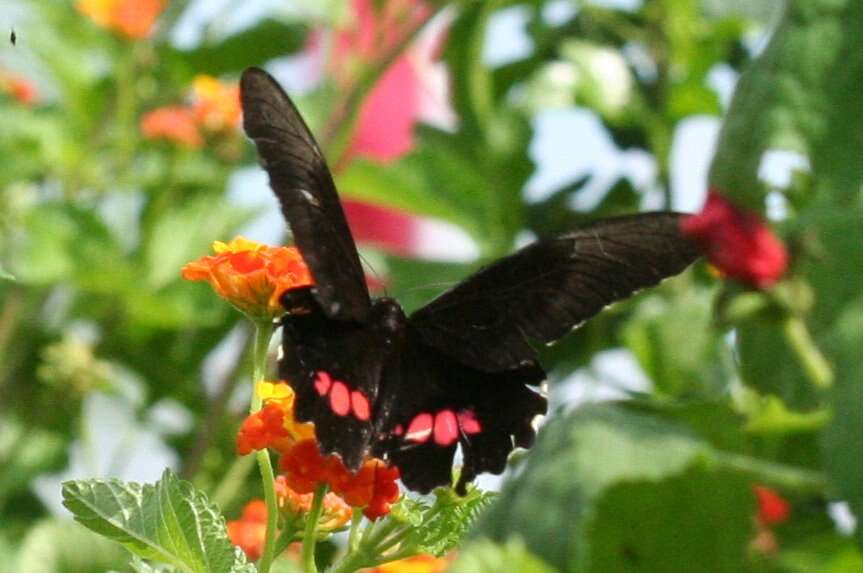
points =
(461, 371)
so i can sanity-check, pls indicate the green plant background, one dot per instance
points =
(745, 387)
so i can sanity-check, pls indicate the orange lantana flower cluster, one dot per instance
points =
(131, 18)
(249, 531)
(22, 90)
(251, 276)
(373, 487)
(335, 514)
(273, 426)
(214, 109)
(172, 123)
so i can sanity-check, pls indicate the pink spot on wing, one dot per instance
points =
(398, 430)
(445, 428)
(340, 399)
(468, 423)
(323, 383)
(360, 406)
(420, 428)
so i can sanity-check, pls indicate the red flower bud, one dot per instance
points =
(738, 242)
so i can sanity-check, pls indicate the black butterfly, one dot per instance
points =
(459, 371)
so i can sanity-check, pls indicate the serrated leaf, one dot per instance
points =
(169, 521)
(439, 526)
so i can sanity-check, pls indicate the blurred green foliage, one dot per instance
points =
(96, 221)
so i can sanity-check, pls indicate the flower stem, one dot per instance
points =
(263, 333)
(354, 536)
(815, 366)
(311, 533)
(269, 480)
(781, 475)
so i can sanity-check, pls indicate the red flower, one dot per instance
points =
(738, 242)
(249, 531)
(251, 276)
(773, 509)
(172, 123)
(273, 426)
(373, 487)
(382, 227)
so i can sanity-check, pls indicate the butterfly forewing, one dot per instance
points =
(304, 186)
(544, 290)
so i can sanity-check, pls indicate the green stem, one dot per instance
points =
(263, 333)
(815, 366)
(782, 475)
(233, 480)
(310, 536)
(269, 480)
(354, 536)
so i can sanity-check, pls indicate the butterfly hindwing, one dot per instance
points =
(430, 404)
(546, 289)
(304, 186)
(334, 368)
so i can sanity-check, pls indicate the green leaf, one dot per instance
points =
(768, 415)
(254, 46)
(6, 276)
(487, 557)
(798, 95)
(823, 554)
(841, 443)
(26, 452)
(439, 527)
(400, 186)
(639, 527)
(594, 471)
(676, 345)
(66, 547)
(169, 521)
(186, 232)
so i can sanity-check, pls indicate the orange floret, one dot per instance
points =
(251, 276)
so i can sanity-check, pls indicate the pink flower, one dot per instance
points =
(738, 242)
(391, 230)
(414, 88)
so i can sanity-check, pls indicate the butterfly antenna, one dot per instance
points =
(441, 285)
(371, 268)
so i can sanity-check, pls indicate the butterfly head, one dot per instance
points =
(299, 301)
